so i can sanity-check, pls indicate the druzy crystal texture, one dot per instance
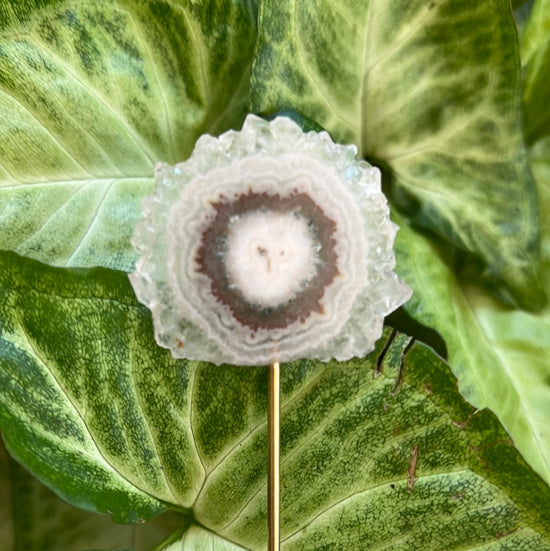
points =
(268, 244)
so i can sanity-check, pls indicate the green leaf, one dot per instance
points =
(94, 408)
(501, 356)
(522, 10)
(535, 53)
(91, 96)
(32, 518)
(199, 539)
(430, 90)
(71, 424)
(251, 7)
(517, 4)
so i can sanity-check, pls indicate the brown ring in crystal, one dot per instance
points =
(213, 249)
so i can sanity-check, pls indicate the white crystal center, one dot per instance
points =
(271, 256)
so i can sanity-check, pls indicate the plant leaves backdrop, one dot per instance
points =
(91, 96)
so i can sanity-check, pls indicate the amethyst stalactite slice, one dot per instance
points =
(268, 244)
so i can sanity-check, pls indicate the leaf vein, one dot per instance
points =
(41, 125)
(367, 490)
(90, 439)
(100, 202)
(52, 214)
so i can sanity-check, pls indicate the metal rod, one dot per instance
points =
(273, 425)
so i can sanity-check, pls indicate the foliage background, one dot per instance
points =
(451, 103)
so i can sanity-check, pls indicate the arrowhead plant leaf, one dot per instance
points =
(535, 56)
(92, 96)
(499, 354)
(199, 539)
(376, 452)
(430, 90)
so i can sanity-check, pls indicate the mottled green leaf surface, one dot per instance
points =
(429, 89)
(32, 518)
(87, 355)
(91, 96)
(535, 54)
(199, 539)
(378, 452)
(501, 356)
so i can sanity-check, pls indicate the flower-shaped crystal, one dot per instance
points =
(268, 244)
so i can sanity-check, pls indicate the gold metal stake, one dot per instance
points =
(273, 425)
